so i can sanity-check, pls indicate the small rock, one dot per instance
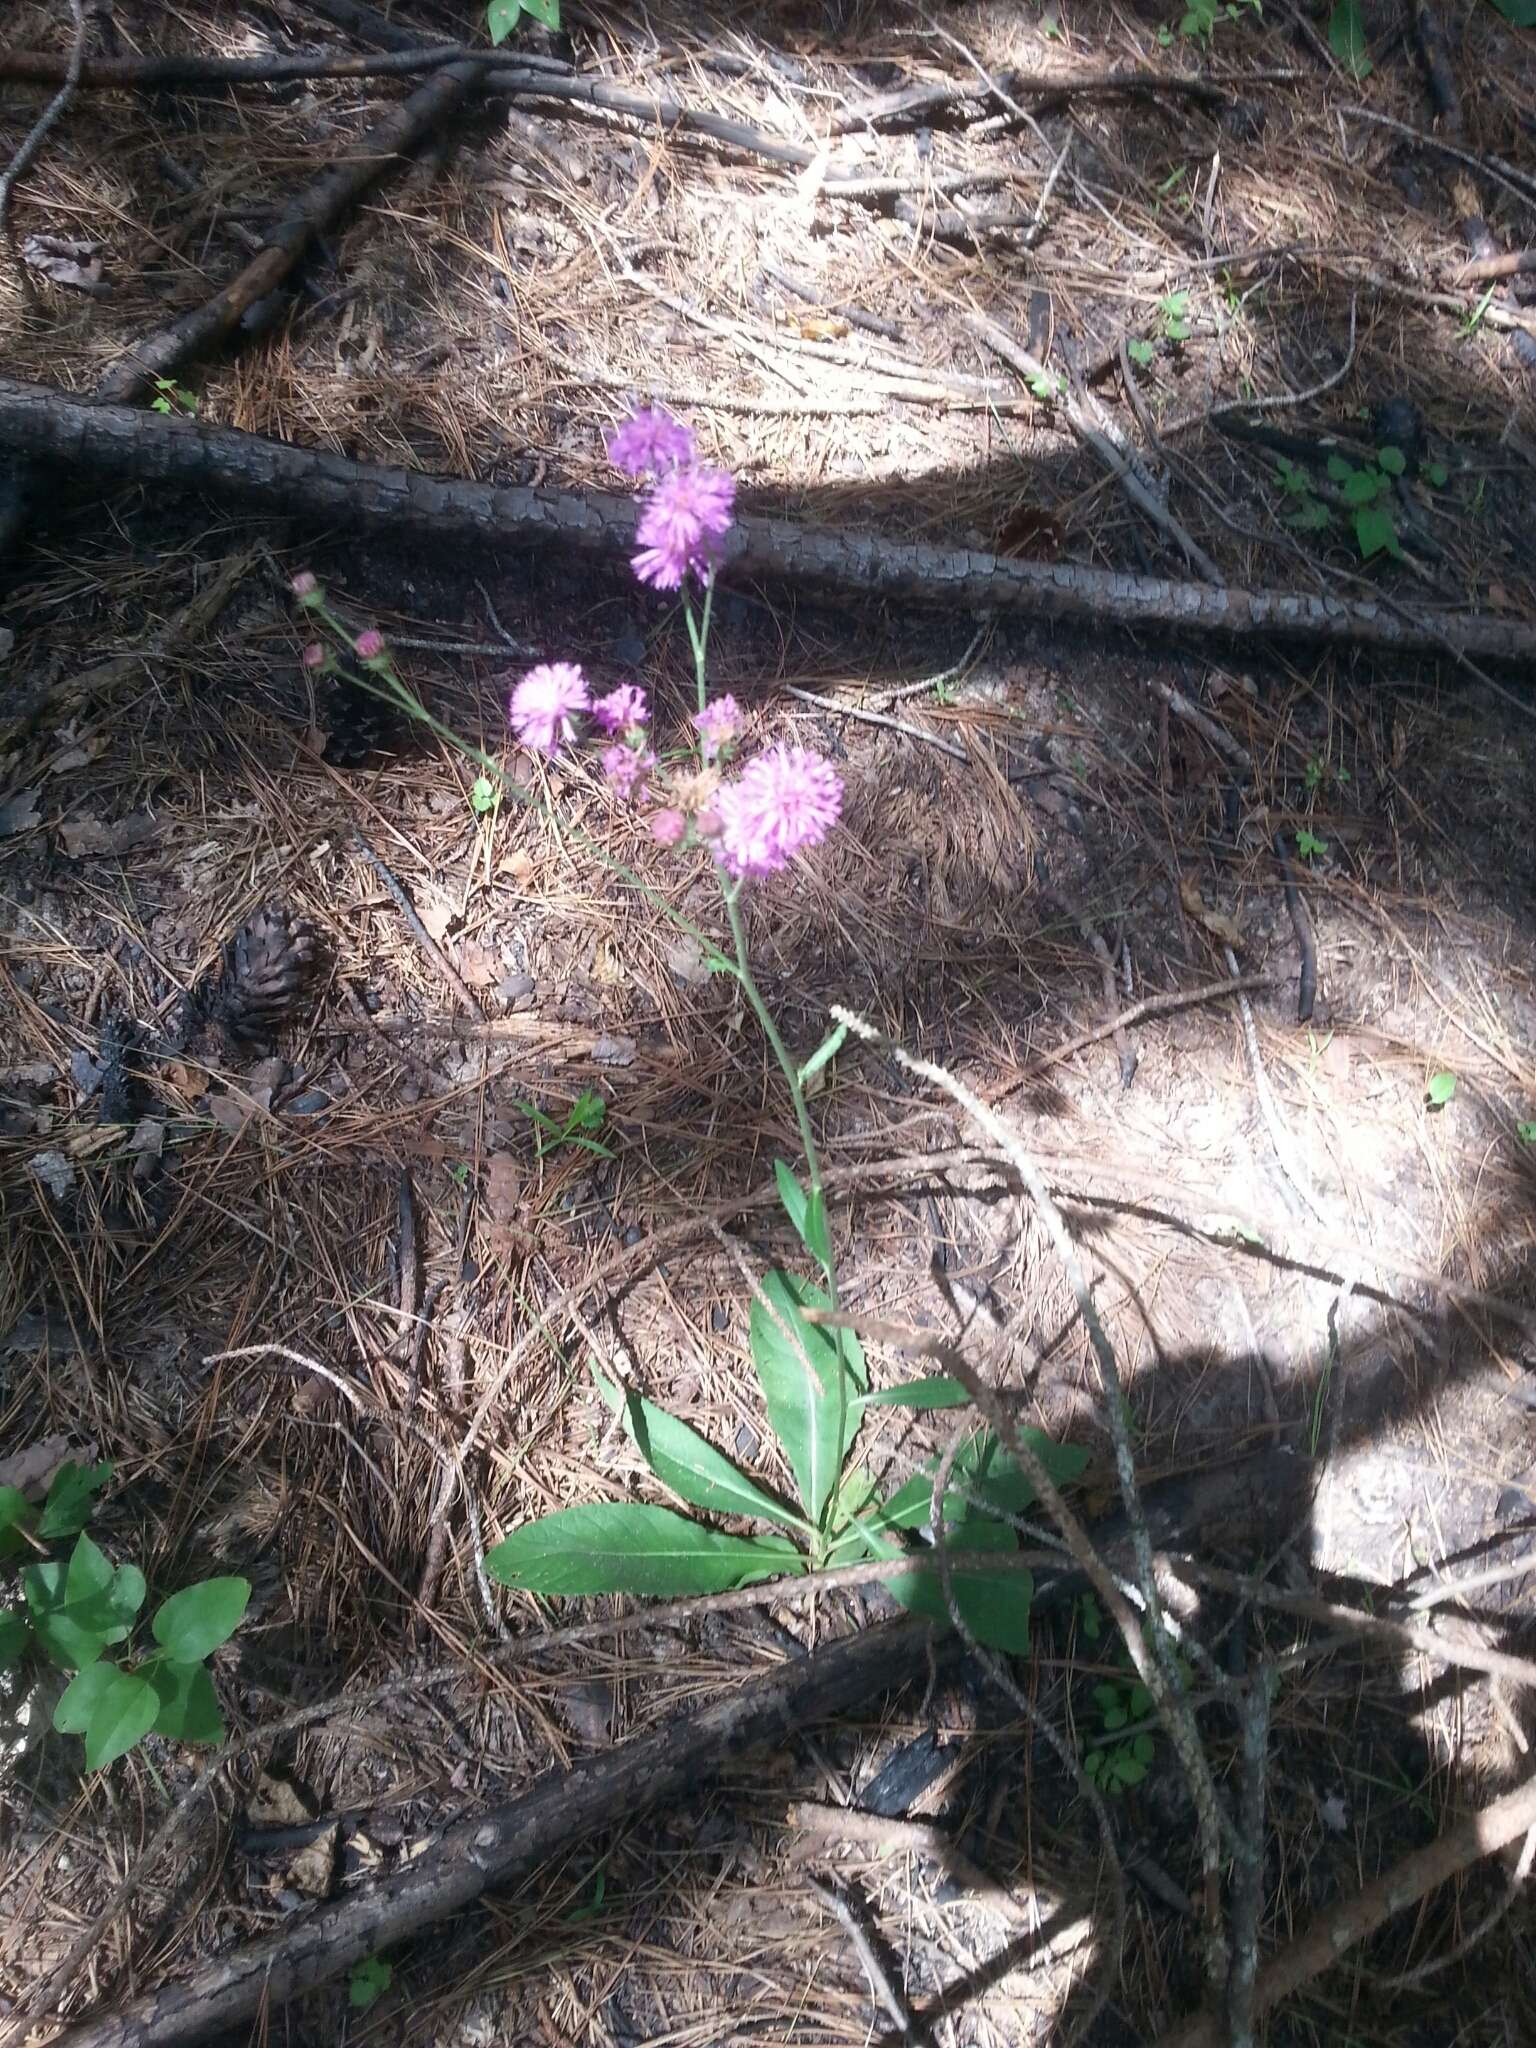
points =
(55, 1172)
(84, 1072)
(310, 1103)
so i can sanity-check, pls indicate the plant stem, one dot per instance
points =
(698, 634)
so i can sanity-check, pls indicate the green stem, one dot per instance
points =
(698, 634)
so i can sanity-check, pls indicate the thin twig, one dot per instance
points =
(874, 1969)
(425, 942)
(33, 141)
(1149, 1006)
(1150, 1649)
(1274, 1123)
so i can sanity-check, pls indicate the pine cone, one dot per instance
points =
(361, 723)
(263, 974)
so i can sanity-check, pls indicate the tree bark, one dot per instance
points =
(120, 442)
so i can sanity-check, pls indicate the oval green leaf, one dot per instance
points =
(807, 1388)
(14, 1637)
(70, 1499)
(994, 1605)
(1442, 1087)
(626, 1548)
(688, 1462)
(79, 1700)
(192, 1624)
(125, 1712)
(187, 1707)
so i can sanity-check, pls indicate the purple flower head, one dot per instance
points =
(719, 723)
(682, 520)
(626, 769)
(369, 648)
(306, 588)
(786, 799)
(649, 442)
(544, 704)
(668, 827)
(622, 709)
(315, 655)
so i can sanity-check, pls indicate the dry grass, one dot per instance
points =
(489, 315)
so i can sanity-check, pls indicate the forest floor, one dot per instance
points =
(1313, 1237)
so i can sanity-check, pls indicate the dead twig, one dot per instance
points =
(33, 141)
(1149, 1006)
(425, 943)
(1301, 924)
(1333, 1934)
(880, 1983)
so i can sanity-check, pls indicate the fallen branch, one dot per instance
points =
(506, 1842)
(144, 73)
(1332, 1934)
(114, 441)
(384, 147)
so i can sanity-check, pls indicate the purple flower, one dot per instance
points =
(668, 827)
(650, 440)
(314, 655)
(369, 646)
(626, 769)
(621, 709)
(786, 799)
(306, 588)
(682, 519)
(719, 723)
(544, 703)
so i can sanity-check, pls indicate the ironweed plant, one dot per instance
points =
(750, 816)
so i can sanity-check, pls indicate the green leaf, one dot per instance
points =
(1143, 1748)
(121, 1711)
(1141, 353)
(828, 1049)
(1526, 1132)
(13, 1507)
(1442, 1087)
(1346, 37)
(1362, 487)
(806, 1386)
(1128, 1769)
(79, 1700)
(68, 1506)
(482, 797)
(1391, 461)
(688, 1462)
(501, 18)
(808, 1214)
(1339, 469)
(937, 1392)
(193, 1623)
(1307, 844)
(989, 1473)
(995, 1605)
(547, 11)
(587, 1112)
(625, 1548)
(1311, 517)
(1374, 531)
(187, 1707)
(88, 1572)
(1436, 473)
(14, 1637)
(368, 1982)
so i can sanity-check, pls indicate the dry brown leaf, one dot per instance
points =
(312, 1871)
(31, 1470)
(503, 1187)
(83, 837)
(1216, 922)
(823, 327)
(277, 1802)
(19, 813)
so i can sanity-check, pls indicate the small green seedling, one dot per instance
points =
(1308, 845)
(1173, 307)
(1047, 386)
(502, 16)
(1474, 319)
(484, 796)
(367, 1982)
(77, 1607)
(1442, 1087)
(1364, 491)
(1308, 513)
(1142, 353)
(171, 397)
(1526, 1132)
(586, 1114)
(1199, 21)
(1115, 1765)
